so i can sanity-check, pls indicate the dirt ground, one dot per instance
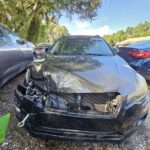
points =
(19, 139)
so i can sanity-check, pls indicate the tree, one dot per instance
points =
(141, 30)
(26, 17)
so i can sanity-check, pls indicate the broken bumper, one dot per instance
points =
(57, 124)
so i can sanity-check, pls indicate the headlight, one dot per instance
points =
(140, 92)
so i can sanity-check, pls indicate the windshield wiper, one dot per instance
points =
(66, 53)
(55, 53)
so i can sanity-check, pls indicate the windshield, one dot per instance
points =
(85, 46)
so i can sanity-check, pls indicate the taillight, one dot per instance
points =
(139, 54)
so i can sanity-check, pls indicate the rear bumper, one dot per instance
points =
(47, 123)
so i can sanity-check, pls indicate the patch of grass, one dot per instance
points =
(3, 126)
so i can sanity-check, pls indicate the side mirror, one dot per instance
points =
(21, 41)
(116, 50)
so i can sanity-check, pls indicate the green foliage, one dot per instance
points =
(30, 18)
(141, 30)
(3, 126)
(54, 32)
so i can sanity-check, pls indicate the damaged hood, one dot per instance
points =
(88, 74)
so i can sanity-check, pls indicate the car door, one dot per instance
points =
(27, 50)
(10, 56)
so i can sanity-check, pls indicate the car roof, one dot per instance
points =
(140, 45)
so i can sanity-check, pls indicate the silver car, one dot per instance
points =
(15, 54)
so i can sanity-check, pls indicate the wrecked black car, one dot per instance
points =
(82, 90)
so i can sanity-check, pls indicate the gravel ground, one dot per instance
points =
(19, 139)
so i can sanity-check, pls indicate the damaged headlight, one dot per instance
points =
(140, 92)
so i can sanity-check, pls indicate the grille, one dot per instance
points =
(101, 102)
(95, 98)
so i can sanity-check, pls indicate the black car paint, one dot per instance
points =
(82, 74)
(95, 73)
(48, 123)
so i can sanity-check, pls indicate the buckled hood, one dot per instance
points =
(88, 74)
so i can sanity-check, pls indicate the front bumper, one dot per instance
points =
(48, 123)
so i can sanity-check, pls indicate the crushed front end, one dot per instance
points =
(90, 117)
(63, 105)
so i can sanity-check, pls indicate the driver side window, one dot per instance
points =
(3, 39)
(10, 34)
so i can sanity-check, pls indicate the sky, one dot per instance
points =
(113, 15)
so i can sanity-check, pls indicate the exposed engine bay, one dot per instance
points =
(89, 103)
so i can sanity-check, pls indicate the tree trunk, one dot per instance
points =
(34, 30)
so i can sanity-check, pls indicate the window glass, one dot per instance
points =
(1, 35)
(10, 34)
(83, 45)
(3, 40)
